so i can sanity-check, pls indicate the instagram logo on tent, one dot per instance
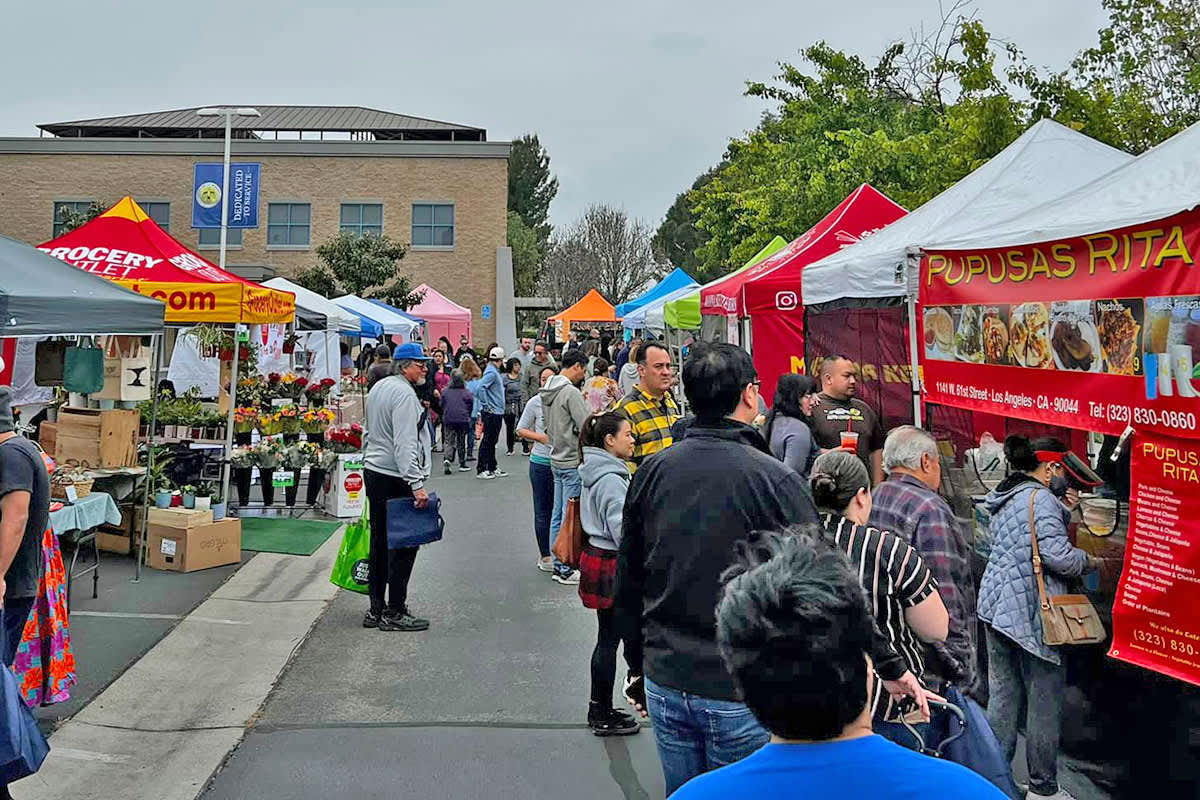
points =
(786, 301)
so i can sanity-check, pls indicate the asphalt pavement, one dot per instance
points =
(490, 702)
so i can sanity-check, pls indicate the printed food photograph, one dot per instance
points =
(939, 334)
(1029, 336)
(995, 335)
(968, 341)
(1075, 343)
(1119, 325)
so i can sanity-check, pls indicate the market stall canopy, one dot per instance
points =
(774, 285)
(127, 247)
(651, 314)
(319, 312)
(416, 335)
(42, 296)
(1045, 162)
(592, 307)
(671, 284)
(684, 313)
(392, 323)
(443, 316)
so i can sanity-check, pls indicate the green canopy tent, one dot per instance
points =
(684, 313)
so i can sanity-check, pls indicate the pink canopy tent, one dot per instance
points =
(443, 316)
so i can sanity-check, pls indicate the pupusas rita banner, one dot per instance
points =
(1096, 332)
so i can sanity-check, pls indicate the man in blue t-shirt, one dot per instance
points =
(794, 629)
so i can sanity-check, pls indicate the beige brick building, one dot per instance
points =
(441, 187)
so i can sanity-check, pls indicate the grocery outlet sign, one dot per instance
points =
(1096, 332)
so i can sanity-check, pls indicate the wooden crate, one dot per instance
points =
(48, 437)
(97, 438)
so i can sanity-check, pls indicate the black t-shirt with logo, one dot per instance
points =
(832, 416)
(22, 469)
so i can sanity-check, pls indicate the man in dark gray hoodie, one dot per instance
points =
(565, 410)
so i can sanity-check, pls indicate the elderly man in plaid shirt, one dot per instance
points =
(649, 405)
(908, 504)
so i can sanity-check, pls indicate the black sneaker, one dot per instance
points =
(446, 468)
(371, 620)
(402, 621)
(610, 722)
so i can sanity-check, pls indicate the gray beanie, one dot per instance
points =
(6, 415)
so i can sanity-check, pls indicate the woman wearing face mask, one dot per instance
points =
(1023, 671)
(787, 429)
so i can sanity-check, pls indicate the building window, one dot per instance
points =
(433, 225)
(362, 218)
(288, 224)
(62, 210)
(210, 238)
(159, 212)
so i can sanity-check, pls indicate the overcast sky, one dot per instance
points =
(632, 99)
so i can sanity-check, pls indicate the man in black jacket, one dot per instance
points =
(687, 506)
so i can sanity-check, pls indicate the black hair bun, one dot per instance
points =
(824, 488)
(1020, 453)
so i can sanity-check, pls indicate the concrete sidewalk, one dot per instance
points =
(162, 728)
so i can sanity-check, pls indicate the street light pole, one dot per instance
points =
(229, 113)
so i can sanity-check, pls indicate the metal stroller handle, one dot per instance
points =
(937, 751)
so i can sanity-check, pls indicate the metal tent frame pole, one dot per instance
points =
(141, 556)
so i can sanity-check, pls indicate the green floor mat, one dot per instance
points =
(299, 537)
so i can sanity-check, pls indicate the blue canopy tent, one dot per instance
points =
(417, 321)
(368, 327)
(670, 285)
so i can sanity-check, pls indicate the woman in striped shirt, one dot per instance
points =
(900, 589)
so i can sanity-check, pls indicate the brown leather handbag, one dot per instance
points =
(1066, 618)
(568, 545)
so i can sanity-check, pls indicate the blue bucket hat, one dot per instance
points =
(409, 351)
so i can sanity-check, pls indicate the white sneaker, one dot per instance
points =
(500, 473)
(546, 564)
(570, 577)
(1061, 794)
(486, 476)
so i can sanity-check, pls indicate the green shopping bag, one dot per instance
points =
(352, 567)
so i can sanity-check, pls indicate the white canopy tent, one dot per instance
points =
(1159, 183)
(337, 318)
(651, 315)
(1043, 163)
(393, 323)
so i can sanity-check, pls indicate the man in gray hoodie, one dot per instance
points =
(396, 465)
(565, 410)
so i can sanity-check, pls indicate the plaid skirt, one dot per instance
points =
(597, 577)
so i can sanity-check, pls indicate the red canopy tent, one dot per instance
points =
(124, 245)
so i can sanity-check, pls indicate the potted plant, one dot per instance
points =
(208, 339)
(269, 453)
(314, 422)
(217, 504)
(318, 392)
(203, 501)
(243, 460)
(245, 418)
(289, 342)
(289, 417)
(163, 493)
(189, 495)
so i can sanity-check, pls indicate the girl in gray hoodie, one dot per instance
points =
(606, 442)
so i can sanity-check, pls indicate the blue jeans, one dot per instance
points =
(567, 484)
(541, 478)
(14, 616)
(695, 734)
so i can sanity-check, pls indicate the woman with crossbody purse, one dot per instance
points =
(1023, 670)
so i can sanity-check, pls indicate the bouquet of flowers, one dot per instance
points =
(354, 383)
(345, 438)
(243, 457)
(270, 424)
(316, 420)
(269, 453)
(244, 419)
(289, 419)
(297, 456)
(249, 392)
(318, 391)
(293, 385)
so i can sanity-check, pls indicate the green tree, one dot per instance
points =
(678, 239)
(364, 265)
(69, 219)
(531, 187)
(526, 254)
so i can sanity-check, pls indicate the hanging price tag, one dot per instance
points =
(284, 479)
(243, 335)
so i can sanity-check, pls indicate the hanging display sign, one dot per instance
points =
(243, 195)
(1097, 332)
(1155, 624)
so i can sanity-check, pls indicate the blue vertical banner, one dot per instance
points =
(244, 180)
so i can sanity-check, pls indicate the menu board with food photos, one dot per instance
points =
(1099, 332)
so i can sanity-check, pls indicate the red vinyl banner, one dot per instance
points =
(1155, 624)
(1097, 332)
(8, 353)
(778, 349)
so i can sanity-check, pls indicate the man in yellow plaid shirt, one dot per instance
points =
(649, 405)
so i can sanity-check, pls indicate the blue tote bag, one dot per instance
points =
(975, 746)
(22, 746)
(409, 526)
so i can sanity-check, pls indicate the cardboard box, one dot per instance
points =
(112, 542)
(347, 492)
(182, 518)
(48, 437)
(97, 439)
(200, 547)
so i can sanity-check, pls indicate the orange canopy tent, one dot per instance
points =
(592, 307)
(124, 245)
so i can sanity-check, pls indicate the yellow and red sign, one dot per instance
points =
(130, 249)
(1096, 332)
